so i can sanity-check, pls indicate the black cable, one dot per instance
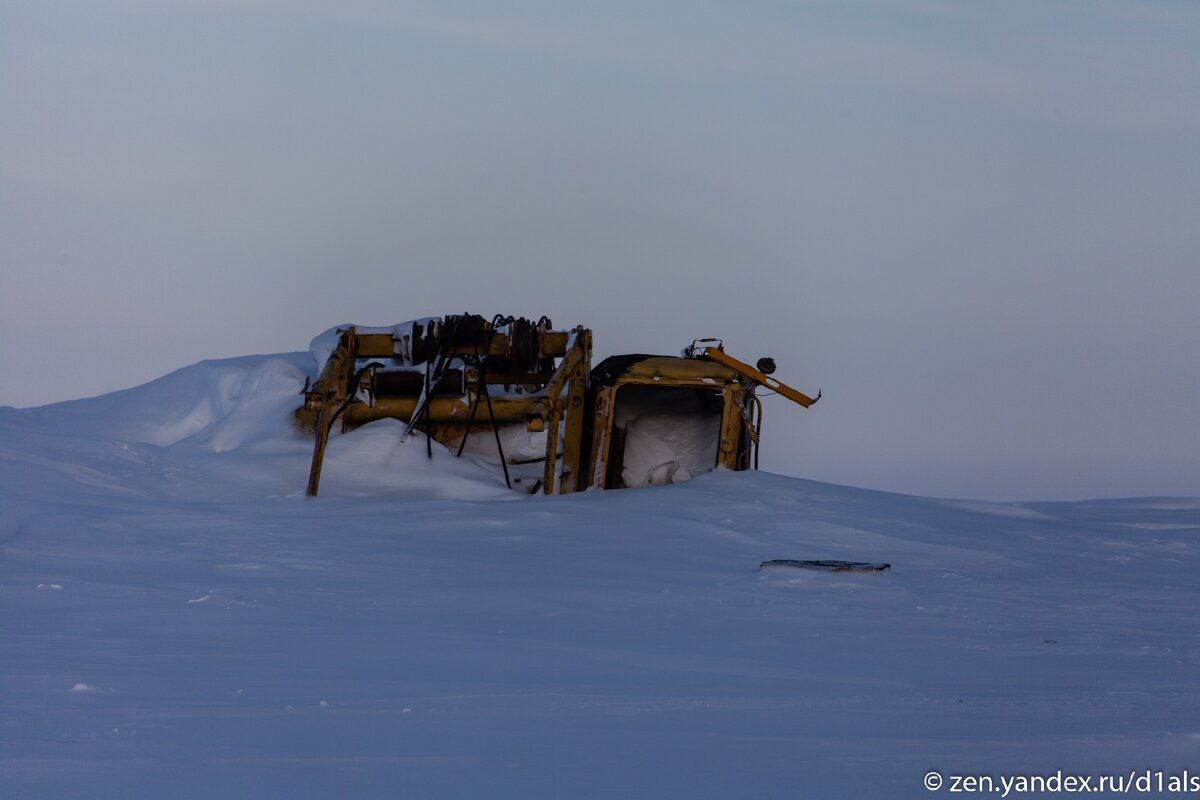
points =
(474, 405)
(481, 363)
(425, 408)
(439, 370)
(758, 430)
(495, 427)
(352, 390)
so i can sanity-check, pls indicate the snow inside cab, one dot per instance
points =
(522, 395)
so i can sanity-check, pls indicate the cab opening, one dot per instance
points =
(663, 435)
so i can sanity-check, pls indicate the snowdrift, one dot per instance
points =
(176, 619)
(241, 409)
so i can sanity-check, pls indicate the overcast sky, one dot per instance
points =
(973, 225)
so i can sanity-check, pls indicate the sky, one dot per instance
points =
(971, 225)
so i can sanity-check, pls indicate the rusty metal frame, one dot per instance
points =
(332, 396)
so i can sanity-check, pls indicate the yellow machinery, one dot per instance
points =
(634, 420)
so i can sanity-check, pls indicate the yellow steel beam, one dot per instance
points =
(507, 408)
(550, 403)
(572, 478)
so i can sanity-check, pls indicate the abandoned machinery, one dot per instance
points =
(521, 393)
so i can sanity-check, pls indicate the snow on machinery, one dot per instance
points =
(523, 394)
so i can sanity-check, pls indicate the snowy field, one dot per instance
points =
(178, 621)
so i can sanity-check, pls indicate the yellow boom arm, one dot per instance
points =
(744, 369)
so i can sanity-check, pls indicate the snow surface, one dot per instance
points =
(177, 620)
